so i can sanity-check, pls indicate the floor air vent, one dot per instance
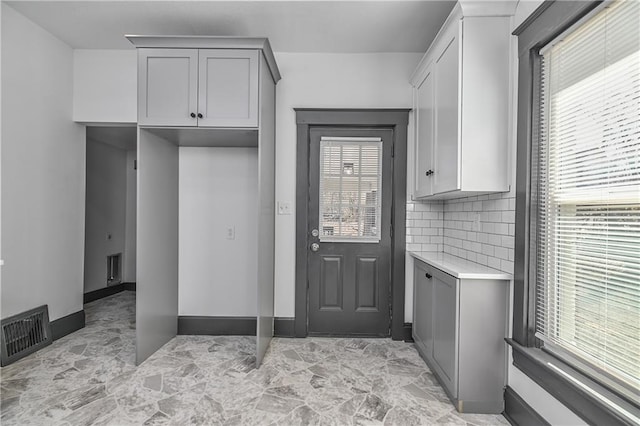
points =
(25, 333)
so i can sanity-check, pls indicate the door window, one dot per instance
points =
(350, 189)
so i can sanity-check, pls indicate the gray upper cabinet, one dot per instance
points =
(198, 87)
(445, 327)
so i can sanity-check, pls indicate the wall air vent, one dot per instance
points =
(114, 263)
(25, 333)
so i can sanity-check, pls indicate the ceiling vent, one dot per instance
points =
(24, 334)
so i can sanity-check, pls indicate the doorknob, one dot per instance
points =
(315, 247)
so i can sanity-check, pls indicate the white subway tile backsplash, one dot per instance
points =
(494, 262)
(450, 227)
(501, 228)
(509, 216)
(502, 253)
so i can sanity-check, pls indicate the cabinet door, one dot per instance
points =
(167, 87)
(228, 89)
(424, 136)
(445, 314)
(423, 310)
(446, 176)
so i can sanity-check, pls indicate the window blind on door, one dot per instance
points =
(588, 183)
(350, 189)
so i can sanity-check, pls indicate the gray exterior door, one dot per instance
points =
(349, 211)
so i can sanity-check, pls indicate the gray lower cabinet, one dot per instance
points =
(459, 326)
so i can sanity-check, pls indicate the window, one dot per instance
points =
(350, 184)
(588, 244)
(576, 326)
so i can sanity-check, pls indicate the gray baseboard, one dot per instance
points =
(407, 330)
(66, 325)
(284, 327)
(108, 291)
(518, 412)
(217, 326)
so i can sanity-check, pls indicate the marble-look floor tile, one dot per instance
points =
(90, 378)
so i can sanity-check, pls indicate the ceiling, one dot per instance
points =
(291, 26)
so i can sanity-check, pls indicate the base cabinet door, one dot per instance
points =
(422, 328)
(445, 330)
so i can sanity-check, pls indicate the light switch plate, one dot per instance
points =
(284, 207)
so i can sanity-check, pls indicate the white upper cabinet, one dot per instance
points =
(424, 102)
(167, 87)
(461, 99)
(228, 83)
(211, 82)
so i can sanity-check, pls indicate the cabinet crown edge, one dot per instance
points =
(210, 42)
(462, 9)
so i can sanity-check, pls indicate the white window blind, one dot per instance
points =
(588, 180)
(350, 189)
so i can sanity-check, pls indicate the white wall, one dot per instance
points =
(130, 224)
(106, 196)
(42, 172)
(105, 86)
(324, 81)
(218, 190)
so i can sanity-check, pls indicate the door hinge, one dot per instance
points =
(391, 230)
(135, 164)
(393, 150)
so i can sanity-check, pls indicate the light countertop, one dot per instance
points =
(458, 267)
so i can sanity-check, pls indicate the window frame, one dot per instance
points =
(557, 376)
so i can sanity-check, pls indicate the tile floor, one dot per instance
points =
(89, 378)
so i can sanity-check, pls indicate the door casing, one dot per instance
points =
(397, 121)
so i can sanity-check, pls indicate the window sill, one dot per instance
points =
(577, 391)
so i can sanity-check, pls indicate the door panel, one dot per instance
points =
(331, 283)
(367, 284)
(228, 89)
(157, 244)
(168, 87)
(349, 204)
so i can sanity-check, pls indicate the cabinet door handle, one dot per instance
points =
(429, 172)
(428, 275)
(193, 115)
(199, 115)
